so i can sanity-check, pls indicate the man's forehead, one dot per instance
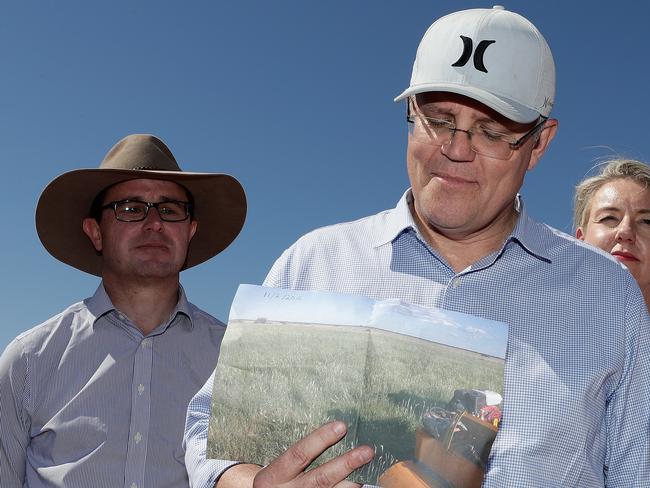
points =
(447, 101)
(143, 185)
(443, 99)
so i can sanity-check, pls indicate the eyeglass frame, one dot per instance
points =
(514, 145)
(113, 205)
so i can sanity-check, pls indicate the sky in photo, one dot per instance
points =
(433, 324)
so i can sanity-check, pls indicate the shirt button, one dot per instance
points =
(121, 316)
(140, 389)
(138, 438)
(133, 485)
(456, 282)
(146, 342)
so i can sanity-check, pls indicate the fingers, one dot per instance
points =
(334, 472)
(291, 463)
(288, 469)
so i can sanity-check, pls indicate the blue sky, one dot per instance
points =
(294, 98)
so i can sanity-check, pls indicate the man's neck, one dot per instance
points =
(462, 249)
(147, 304)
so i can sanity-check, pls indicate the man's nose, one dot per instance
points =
(459, 147)
(153, 220)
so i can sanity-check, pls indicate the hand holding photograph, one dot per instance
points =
(421, 385)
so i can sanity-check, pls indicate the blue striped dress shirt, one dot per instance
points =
(577, 388)
(88, 401)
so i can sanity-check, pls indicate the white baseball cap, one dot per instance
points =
(492, 55)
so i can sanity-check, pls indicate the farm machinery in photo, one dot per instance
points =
(452, 445)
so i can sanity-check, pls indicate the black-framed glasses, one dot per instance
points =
(483, 140)
(137, 210)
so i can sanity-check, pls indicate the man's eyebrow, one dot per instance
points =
(447, 111)
(434, 109)
(498, 126)
(121, 199)
(140, 198)
(173, 199)
(490, 120)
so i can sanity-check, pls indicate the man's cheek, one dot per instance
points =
(420, 153)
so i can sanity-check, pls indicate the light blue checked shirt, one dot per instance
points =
(88, 401)
(577, 377)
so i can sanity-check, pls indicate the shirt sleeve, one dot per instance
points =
(14, 417)
(288, 270)
(202, 472)
(628, 409)
(278, 276)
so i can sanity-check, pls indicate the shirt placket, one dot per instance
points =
(455, 292)
(140, 415)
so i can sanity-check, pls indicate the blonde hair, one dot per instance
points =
(613, 169)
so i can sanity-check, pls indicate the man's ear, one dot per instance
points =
(546, 135)
(580, 234)
(94, 233)
(193, 226)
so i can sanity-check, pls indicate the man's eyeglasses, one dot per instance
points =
(136, 210)
(483, 140)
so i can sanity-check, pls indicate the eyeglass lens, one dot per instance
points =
(441, 133)
(133, 211)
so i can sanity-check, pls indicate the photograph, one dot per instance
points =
(285, 368)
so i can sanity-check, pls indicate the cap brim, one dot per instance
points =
(220, 210)
(506, 107)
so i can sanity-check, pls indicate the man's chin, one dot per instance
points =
(154, 269)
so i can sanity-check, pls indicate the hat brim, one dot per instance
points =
(508, 108)
(220, 210)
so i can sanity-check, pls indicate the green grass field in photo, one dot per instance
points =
(276, 382)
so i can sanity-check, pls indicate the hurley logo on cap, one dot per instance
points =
(468, 47)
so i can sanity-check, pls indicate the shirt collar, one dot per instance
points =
(183, 306)
(527, 233)
(100, 304)
(395, 222)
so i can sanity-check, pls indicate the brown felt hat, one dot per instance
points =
(219, 202)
